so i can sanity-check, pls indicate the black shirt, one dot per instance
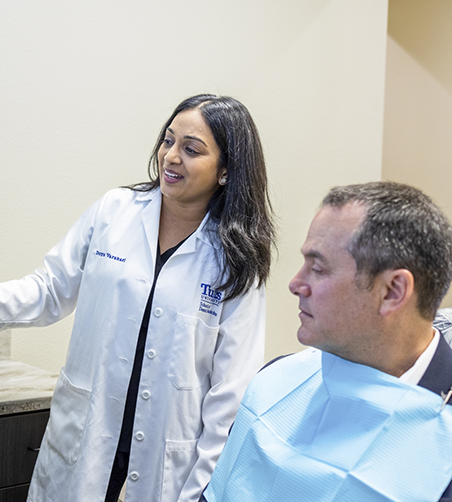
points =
(132, 393)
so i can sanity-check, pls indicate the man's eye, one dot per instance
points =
(317, 270)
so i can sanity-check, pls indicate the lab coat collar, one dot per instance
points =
(151, 220)
(148, 195)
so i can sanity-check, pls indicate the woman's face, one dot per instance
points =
(188, 160)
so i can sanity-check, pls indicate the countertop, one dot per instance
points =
(24, 387)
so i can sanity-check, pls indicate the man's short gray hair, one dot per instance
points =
(402, 229)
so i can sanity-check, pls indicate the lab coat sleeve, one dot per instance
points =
(238, 357)
(50, 293)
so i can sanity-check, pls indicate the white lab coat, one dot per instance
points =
(199, 357)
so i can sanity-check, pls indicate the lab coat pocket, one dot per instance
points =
(192, 353)
(67, 418)
(180, 457)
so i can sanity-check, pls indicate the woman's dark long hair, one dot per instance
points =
(240, 212)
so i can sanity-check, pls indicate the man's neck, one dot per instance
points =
(400, 350)
(416, 372)
(392, 348)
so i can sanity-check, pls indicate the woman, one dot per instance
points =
(168, 281)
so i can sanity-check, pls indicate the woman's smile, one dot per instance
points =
(171, 176)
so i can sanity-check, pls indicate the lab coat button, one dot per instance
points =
(152, 353)
(158, 312)
(134, 476)
(139, 436)
(145, 394)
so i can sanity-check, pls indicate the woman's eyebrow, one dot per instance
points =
(188, 137)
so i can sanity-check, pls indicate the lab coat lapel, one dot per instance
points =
(189, 246)
(150, 217)
(151, 222)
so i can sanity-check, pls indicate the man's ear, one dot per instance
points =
(397, 290)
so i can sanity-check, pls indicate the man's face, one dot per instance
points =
(337, 315)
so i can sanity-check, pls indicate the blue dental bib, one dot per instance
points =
(314, 427)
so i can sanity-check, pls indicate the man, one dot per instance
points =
(362, 415)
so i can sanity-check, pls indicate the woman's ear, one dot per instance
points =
(223, 177)
(397, 290)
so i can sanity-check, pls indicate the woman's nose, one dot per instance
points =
(172, 156)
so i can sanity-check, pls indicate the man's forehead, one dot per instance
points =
(347, 217)
(332, 226)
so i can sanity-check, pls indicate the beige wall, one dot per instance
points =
(417, 146)
(86, 85)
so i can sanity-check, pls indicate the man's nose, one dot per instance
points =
(299, 286)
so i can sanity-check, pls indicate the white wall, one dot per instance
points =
(417, 147)
(86, 86)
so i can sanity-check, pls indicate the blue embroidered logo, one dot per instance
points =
(210, 299)
(110, 256)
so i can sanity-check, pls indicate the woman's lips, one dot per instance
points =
(171, 176)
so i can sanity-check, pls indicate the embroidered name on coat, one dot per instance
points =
(210, 299)
(110, 256)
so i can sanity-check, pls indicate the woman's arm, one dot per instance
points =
(50, 293)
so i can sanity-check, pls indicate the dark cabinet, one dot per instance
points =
(20, 439)
(14, 494)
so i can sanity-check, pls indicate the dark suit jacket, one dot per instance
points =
(437, 378)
